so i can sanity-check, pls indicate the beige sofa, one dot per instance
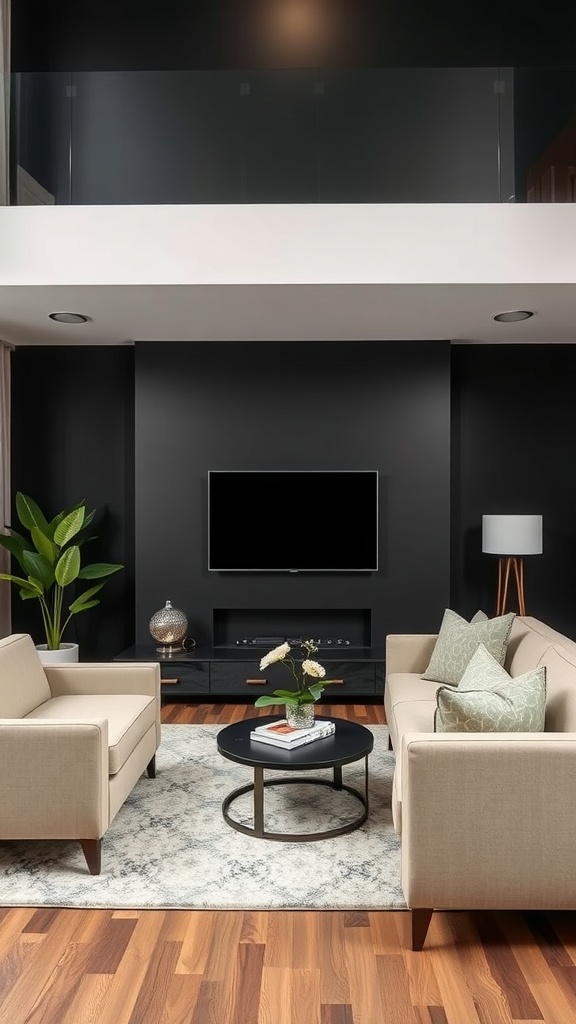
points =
(74, 740)
(488, 820)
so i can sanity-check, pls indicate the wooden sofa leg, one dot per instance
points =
(93, 852)
(151, 769)
(419, 923)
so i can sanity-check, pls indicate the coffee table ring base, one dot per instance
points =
(295, 837)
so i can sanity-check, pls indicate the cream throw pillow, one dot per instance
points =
(489, 700)
(458, 640)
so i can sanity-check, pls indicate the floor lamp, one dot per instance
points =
(511, 537)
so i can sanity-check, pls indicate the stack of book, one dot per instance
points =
(280, 734)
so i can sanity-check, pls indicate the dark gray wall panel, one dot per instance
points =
(317, 405)
(73, 438)
(513, 451)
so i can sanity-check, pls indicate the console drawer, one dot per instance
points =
(245, 678)
(179, 679)
(351, 677)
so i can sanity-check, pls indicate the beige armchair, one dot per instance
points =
(74, 740)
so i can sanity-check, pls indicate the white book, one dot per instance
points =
(310, 736)
(288, 733)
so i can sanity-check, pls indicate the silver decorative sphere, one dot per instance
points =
(168, 627)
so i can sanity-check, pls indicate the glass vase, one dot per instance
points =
(300, 716)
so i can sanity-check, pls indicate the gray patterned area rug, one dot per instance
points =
(169, 846)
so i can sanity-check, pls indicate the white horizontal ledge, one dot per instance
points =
(288, 244)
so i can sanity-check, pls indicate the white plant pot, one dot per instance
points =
(65, 653)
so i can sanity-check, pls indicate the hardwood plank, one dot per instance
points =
(254, 926)
(38, 986)
(547, 940)
(275, 1005)
(181, 999)
(532, 965)
(553, 1004)
(304, 996)
(457, 1000)
(197, 942)
(280, 941)
(489, 997)
(153, 991)
(247, 983)
(363, 978)
(305, 940)
(334, 986)
(120, 997)
(336, 1013)
(505, 968)
(106, 954)
(85, 1005)
(356, 919)
(394, 990)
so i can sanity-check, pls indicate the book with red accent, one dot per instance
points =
(281, 734)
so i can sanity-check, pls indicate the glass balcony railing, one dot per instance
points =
(401, 135)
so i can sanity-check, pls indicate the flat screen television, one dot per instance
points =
(293, 521)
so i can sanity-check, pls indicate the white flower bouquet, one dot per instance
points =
(306, 691)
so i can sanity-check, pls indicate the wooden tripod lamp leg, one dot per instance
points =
(519, 574)
(504, 565)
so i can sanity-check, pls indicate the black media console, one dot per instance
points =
(231, 672)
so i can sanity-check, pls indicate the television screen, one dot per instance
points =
(293, 521)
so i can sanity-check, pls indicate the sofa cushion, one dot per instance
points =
(24, 683)
(489, 700)
(415, 716)
(458, 640)
(560, 664)
(406, 688)
(129, 718)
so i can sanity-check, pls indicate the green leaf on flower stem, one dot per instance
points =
(284, 693)
(265, 702)
(316, 690)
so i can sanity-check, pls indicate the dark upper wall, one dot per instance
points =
(306, 405)
(126, 34)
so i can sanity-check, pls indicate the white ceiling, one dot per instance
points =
(124, 314)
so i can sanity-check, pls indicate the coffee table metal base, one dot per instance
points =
(258, 787)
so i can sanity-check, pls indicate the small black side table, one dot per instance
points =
(349, 743)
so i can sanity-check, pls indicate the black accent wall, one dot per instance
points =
(73, 438)
(305, 405)
(455, 432)
(514, 451)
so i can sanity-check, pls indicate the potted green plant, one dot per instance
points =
(309, 679)
(50, 559)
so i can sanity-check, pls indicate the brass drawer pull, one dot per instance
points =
(256, 682)
(169, 682)
(337, 682)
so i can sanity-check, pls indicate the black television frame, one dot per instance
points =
(299, 569)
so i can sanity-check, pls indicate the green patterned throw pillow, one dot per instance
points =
(489, 700)
(458, 640)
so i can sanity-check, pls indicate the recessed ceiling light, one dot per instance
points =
(69, 318)
(513, 314)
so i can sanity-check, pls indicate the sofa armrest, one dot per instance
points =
(409, 652)
(104, 677)
(54, 779)
(489, 821)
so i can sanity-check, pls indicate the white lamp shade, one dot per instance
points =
(512, 535)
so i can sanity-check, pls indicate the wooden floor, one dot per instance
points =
(203, 967)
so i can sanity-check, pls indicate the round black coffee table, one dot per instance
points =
(349, 743)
